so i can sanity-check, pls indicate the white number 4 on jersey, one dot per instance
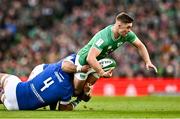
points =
(47, 83)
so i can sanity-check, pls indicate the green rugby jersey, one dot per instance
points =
(104, 41)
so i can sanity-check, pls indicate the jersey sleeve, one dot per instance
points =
(99, 42)
(131, 37)
(71, 58)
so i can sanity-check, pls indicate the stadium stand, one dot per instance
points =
(36, 31)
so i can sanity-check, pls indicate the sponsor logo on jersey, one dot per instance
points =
(99, 42)
(109, 47)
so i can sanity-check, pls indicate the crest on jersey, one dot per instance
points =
(109, 47)
(120, 43)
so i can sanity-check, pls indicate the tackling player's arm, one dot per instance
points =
(69, 67)
(144, 54)
(85, 96)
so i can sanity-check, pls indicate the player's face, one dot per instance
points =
(123, 28)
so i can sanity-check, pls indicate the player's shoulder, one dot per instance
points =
(70, 58)
(106, 29)
(102, 36)
(109, 26)
(106, 32)
(131, 36)
(131, 33)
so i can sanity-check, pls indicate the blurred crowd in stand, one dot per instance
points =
(44, 31)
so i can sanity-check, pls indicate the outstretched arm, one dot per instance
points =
(144, 54)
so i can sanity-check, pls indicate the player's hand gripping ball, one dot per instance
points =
(107, 63)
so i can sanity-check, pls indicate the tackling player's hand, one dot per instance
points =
(85, 68)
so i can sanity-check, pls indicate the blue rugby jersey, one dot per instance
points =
(51, 85)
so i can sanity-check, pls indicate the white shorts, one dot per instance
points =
(37, 70)
(83, 76)
(10, 100)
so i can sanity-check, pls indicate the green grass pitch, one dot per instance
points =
(109, 107)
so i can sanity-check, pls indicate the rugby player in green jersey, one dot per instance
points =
(103, 43)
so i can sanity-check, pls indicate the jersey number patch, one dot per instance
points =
(47, 83)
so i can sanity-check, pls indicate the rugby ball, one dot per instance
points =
(107, 63)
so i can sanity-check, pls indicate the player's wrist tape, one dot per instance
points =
(78, 68)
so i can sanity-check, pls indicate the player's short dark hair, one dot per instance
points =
(124, 17)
